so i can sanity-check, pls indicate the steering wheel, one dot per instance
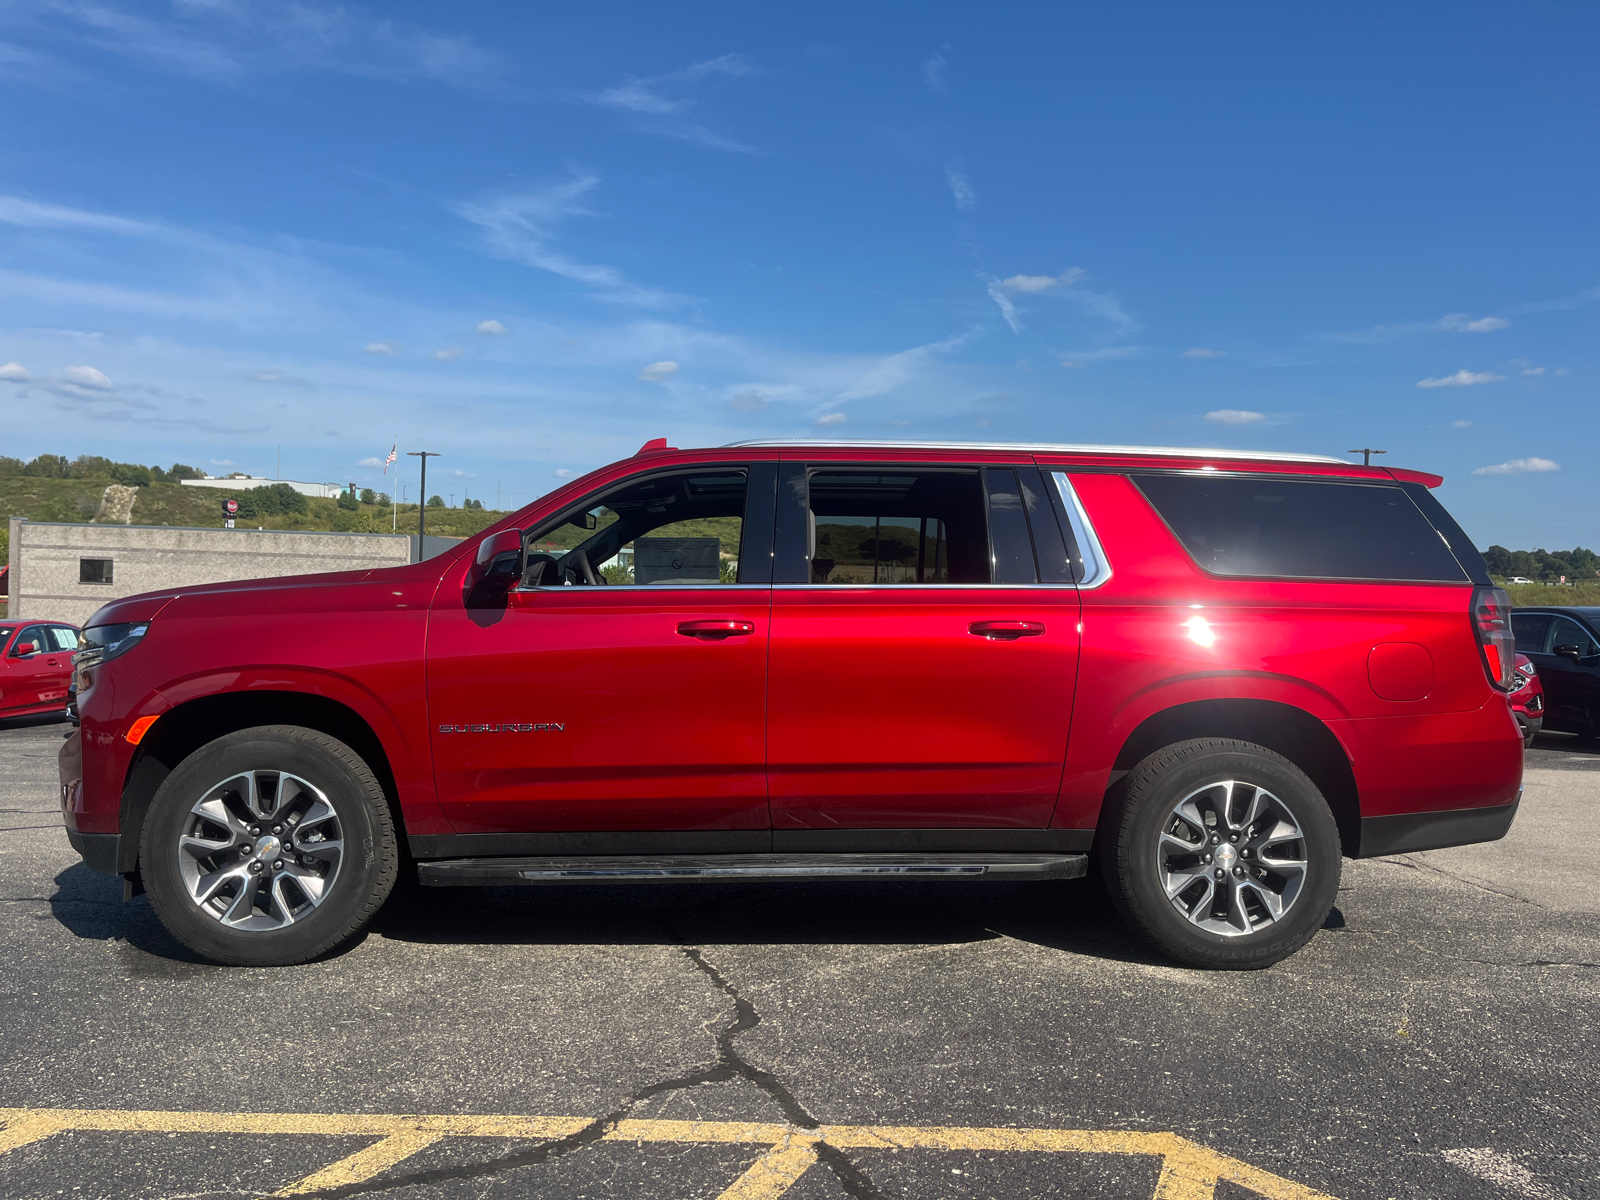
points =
(586, 568)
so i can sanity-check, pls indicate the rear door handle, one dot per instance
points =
(716, 631)
(1005, 631)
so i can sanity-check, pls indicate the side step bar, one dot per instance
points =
(494, 872)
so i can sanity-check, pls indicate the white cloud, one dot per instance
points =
(889, 373)
(657, 105)
(519, 228)
(491, 328)
(389, 348)
(31, 214)
(1008, 310)
(15, 372)
(750, 401)
(273, 375)
(222, 462)
(1460, 424)
(87, 377)
(450, 354)
(960, 187)
(369, 462)
(1520, 466)
(1235, 416)
(460, 474)
(1081, 358)
(833, 418)
(1464, 323)
(1533, 370)
(1202, 352)
(933, 72)
(658, 371)
(563, 473)
(1462, 378)
(1034, 284)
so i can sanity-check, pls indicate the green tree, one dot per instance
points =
(48, 466)
(272, 500)
(347, 499)
(368, 496)
(181, 471)
(435, 501)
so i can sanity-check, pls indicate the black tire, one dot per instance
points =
(1133, 863)
(355, 885)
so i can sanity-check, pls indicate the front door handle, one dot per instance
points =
(716, 631)
(1005, 631)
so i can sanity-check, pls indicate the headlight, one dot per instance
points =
(100, 645)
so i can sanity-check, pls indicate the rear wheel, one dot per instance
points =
(1224, 854)
(268, 846)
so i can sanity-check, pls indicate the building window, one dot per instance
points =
(94, 570)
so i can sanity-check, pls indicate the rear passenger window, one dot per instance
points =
(898, 527)
(1301, 530)
(1532, 632)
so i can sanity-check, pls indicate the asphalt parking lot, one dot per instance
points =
(1440, 1038)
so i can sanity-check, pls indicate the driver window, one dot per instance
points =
(1564, 631)
(682, 530)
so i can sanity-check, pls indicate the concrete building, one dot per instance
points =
(64, 572)
(327, 491)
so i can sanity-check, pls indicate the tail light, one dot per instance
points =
(1491, 621)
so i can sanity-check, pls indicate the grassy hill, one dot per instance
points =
(76, 500)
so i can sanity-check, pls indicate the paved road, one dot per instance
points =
(1439, 1039)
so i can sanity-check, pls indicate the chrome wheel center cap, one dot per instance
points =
(1225, 856)
(267, 847)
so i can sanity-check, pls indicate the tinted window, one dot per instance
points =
(1532, 631)
(1301, 530)
(33, 636)
(94, 570)
(898, 527)
(682, 529)
(1011, 549)
(1564, 631)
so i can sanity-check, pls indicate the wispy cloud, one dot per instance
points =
(933, 72)
(1520, 466)
(227, 41)
(1450, 323)
(491, 328)
(833, 418)
(658, 371)
(1079, 358)
(1463, 323)
(1533, 370)
(87, 377)
(966, 197)
(1001, 291)
(1202, 352)
(1235, 416)
(449, 354)
(519, 228)
(750, 400)
(273, 375)
(390, 348)
(657, 103)
(889, 373)
(1462, 378)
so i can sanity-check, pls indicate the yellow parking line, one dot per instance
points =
(364, 1164)
(1189, 1171)
(775, 1172)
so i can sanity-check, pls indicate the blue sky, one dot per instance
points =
(532, 237)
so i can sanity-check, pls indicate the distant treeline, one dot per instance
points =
(1545, 566)
(92, 466)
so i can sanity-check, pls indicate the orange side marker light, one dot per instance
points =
(138, 729)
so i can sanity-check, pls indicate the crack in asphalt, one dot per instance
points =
(730, 1064)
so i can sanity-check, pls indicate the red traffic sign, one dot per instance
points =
(230, 507)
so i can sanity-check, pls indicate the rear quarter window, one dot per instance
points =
(1297, 529)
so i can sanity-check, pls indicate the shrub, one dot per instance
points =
(272, 500)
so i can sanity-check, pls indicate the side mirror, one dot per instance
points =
(1572, 652)
(26, 648)
(499, 558)
(585, 520)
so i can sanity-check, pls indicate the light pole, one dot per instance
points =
(422, 509)
(1366, 455)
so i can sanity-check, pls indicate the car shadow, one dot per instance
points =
(28, 722)
(1074, 917)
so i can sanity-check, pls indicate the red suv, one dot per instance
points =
(1214, 672)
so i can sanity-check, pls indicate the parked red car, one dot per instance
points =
(35, 666)
(822, 661)
(1527, 700)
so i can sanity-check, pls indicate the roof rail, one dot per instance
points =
(1047, 448)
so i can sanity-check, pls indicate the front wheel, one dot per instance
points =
(268, 846)
(1224, 854)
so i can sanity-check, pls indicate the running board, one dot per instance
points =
(481, 872)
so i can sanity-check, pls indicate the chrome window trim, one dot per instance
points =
(922, 587)
(1096, 566)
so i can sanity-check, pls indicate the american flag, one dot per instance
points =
(389, 462)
